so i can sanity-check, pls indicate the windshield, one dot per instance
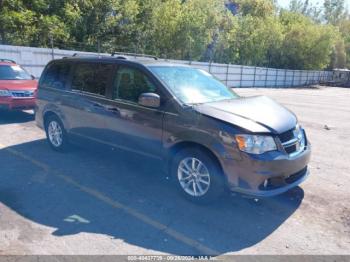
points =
(193, 86)
(13, 72)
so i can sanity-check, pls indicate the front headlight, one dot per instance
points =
(299, 134)
(255, 144)
(4, 92)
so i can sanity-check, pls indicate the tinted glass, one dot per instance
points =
(56, 76)
(92, 78)
(192, 85)
(130, 83)
(13, 72)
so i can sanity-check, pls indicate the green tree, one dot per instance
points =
(31, 22)
(111, 22)
(256, 41)
(344, 28)
(258, 8)
(306, 45)
(164, 34)
(338, 57)
(334, 11)
(306, 8)
(184, 30)
(203, 21)
(258, 34)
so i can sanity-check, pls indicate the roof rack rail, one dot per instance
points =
(132, 54)
(87, 55)
(121, 57)
(7, 60)
(80, 54)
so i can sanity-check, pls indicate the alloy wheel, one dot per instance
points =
(55, 133)
(193, 176)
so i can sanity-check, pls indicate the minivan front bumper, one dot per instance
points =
(268, 174)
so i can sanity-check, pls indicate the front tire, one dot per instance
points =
(56, 134)
(197, 175)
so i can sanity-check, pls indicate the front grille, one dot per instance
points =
(290, 149)
(24, 93)
(286, 136)
(293, 141)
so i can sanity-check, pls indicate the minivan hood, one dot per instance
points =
(258, 114)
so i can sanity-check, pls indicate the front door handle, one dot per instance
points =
(92, 106)
(114, 110)
(97, 105)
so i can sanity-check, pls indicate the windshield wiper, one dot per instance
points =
(195, 104)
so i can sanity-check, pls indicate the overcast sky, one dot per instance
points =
(285, 3)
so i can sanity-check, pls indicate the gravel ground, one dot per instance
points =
(102, 202)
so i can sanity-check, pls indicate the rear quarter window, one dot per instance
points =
(56, 76)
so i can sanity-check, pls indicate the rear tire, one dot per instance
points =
(197, 175)
(56, 134)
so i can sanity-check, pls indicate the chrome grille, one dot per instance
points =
(286, 136)
(293, 141)
(22, 93)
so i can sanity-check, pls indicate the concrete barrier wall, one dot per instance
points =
(35, 59)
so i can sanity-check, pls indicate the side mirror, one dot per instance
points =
(149, 100)
(33, 77)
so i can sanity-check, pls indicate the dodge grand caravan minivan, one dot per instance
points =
(208, 137)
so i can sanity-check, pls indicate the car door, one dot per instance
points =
(85, 105)
(136, 128)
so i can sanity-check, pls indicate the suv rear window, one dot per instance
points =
(92, 78)
(13, 72)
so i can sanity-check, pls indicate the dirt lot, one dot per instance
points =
(98, 202)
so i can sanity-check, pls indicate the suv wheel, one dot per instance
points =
(197, 175)
(56, 134)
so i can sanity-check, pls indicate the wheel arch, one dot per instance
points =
(51, 112)
(174, 149)
(48, 114)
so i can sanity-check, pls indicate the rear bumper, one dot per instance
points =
(269, 174)
(10, 103)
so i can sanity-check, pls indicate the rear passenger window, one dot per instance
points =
(92, 78)
(56, 76)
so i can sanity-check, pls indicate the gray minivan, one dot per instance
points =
(208, 138)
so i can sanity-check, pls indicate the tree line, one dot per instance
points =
(247, 32)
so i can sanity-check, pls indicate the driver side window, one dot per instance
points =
(130, 83)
